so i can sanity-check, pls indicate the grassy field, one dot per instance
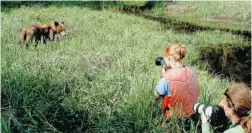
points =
(234, 15)
(107, 63)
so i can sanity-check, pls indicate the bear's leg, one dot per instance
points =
(37, 39)
(28, 40)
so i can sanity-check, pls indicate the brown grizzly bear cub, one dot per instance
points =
(42, 33)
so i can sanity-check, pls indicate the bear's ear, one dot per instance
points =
(63, 22)
(56, 23)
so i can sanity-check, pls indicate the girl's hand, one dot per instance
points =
(163, 69)
(204, 118)
(157, 96)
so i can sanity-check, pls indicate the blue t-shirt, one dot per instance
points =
(163, 88)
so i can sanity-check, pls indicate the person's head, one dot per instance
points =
(237, 104)
(174, 53)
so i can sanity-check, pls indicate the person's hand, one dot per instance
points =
(203, 116)
(163, 69)
(157, 96)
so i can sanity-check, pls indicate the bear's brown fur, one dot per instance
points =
(54, 30)
(42, 33)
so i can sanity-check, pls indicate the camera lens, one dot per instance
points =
(215, 113)
(159, 61)
(198, 107)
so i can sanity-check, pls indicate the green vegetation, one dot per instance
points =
(107, 63)
(234, 15)
(7, 5)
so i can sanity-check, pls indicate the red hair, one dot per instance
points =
(177, 51)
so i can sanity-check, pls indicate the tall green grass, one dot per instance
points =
(233, 15)
(106, 61)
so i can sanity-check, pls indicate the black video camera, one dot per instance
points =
(215, 113)
(161, 62)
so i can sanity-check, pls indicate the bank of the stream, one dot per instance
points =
(231, 61)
